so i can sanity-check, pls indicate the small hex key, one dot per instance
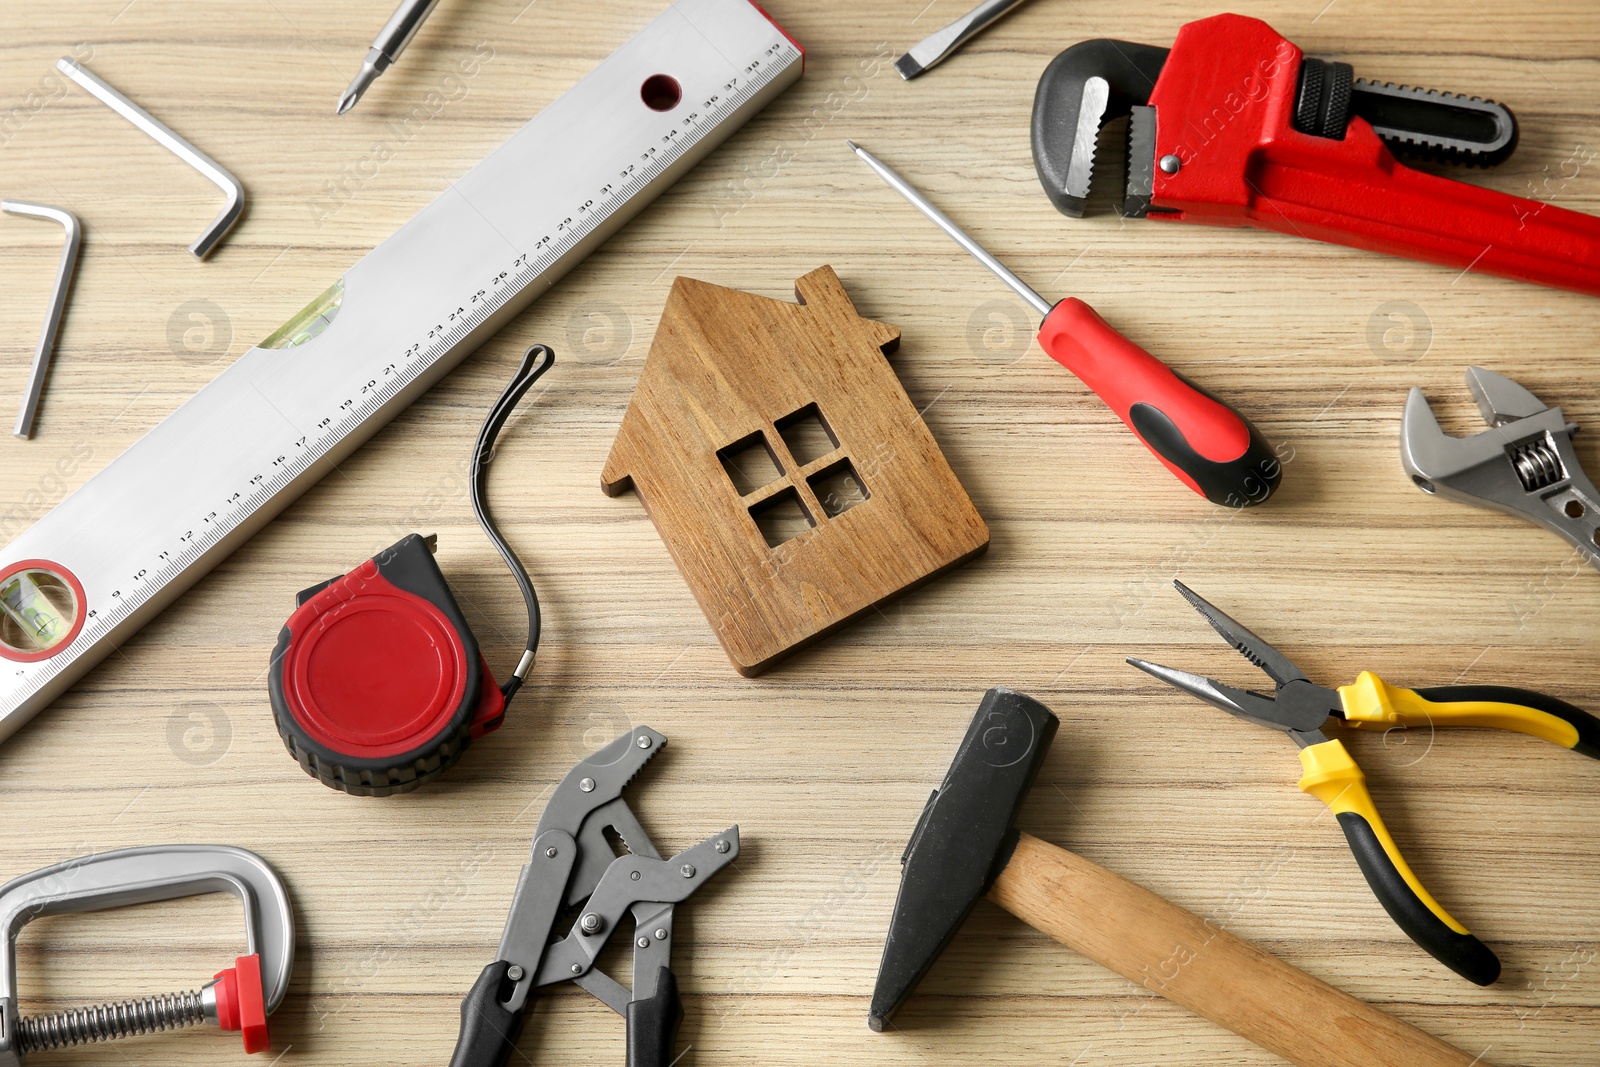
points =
(185, 151)
(58, 303)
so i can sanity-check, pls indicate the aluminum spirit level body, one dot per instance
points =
(157, 518)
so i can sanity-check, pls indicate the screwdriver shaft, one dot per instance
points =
(957, 234)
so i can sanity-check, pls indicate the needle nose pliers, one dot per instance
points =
(1301, 709)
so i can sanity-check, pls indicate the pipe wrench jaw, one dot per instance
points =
(1081, 90)
(1523, 464)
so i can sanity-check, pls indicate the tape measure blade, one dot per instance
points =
(184, 496)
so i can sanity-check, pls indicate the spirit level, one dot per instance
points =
(136, 535)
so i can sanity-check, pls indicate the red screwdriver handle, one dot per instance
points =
(1210, 447)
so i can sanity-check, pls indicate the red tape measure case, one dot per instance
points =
(377, 682)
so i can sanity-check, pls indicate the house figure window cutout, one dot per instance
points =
(791, 478)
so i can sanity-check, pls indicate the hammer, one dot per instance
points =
(965, 846)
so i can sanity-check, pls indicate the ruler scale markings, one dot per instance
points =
(225, 521)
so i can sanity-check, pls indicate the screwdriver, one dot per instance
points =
(386, 47)
(1210, 447)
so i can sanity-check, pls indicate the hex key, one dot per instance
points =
(171, 142)
(58, 303)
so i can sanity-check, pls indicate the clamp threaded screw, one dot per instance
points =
(107, 1022)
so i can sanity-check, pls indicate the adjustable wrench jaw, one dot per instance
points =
(1524, 464)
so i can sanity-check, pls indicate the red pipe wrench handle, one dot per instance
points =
(1363, 198)
(1210, 447)
(1227, 153)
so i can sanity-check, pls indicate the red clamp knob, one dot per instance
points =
(241, 1003)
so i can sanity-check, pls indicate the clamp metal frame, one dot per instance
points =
(143, 876)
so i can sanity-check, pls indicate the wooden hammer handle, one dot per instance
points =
(1156, 944)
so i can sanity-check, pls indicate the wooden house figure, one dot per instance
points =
(781, 461)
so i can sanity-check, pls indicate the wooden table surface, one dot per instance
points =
(824, 762)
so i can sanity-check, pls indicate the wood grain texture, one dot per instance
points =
(805, 388)
(826, 760)
(1155, 944)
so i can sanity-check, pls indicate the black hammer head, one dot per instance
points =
(963, 840)
(1081, 90)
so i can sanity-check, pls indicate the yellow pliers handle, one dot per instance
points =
(1333, 778)
(1371, 703)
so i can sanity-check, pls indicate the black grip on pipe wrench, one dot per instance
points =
(653, 1024)
(489, 1030)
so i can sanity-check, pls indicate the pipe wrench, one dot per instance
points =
(1235, 126)
(573, 866)
(1523, 464)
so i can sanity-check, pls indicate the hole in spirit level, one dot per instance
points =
(661, 92)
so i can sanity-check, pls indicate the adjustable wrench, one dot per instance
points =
(1234, 126)
(1524, 464)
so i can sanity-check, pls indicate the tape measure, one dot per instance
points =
(377, 682)
(115, 553)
